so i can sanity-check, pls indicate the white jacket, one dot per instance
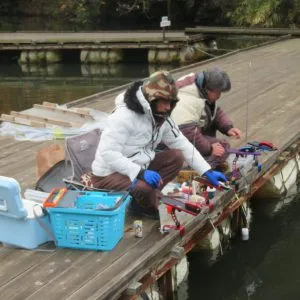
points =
(190, 108)
(129, 139)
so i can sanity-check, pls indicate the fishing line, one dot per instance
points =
(194, 142)
(215, 229)
(247, 98)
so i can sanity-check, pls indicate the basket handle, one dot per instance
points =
(117, 205)
(122, 199)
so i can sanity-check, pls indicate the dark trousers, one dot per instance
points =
(203, 143)
(167, 163)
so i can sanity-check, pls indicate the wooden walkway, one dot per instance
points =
(91, 40)
(215, 30)
(264, 102)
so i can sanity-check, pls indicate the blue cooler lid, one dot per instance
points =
(11, 204)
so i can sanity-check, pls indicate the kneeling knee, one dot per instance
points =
(177, 156)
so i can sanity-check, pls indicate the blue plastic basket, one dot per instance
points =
(96, 222)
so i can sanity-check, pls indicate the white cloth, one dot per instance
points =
(129, 139)
(28, 133)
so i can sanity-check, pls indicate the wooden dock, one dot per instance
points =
(98, 47)
(90, 40)
(264, 102)
(215, 30)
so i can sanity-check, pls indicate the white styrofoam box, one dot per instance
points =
(245, 164)
(35, 195)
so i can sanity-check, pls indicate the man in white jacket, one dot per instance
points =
(126, 156)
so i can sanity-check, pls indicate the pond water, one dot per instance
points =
(22, 86)
(266, 267)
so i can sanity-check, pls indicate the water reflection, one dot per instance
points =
(40, 70)
(24, 85)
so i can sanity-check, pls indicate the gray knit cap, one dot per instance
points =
(217, 80)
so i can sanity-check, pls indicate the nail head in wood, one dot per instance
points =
(177, 252)
(134, 288)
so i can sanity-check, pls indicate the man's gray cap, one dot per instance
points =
(217, 80)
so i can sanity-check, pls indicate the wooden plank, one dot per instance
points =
(118, 275)
(242, 30)
(84, 270)
(10, 147)
(64, 111)
(17, 158)
(44, 120)
(6, 253)
(7, 143)
(18, 262)
(82, 111)
(49, 104)
(8, 118)
(26, 180)
(22, 121)
(141, 259)
(39, 272)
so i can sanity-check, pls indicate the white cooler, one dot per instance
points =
(22, 222)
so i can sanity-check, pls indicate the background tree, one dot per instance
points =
(265, 13)
(144, 14)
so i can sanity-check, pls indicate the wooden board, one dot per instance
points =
(49, 115)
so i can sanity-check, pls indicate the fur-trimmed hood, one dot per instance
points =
(135, 100)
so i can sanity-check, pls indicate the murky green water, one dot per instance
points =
(264, 268)
(23, 86)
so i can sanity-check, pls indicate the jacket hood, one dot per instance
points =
(134, 99)
(200, 83)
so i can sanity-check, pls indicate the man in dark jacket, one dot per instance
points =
(199, 117)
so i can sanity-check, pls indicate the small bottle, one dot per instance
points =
(138, 228)
(211, 192)
(245, 234)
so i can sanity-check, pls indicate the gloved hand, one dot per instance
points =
(151, 177)
(215, 176)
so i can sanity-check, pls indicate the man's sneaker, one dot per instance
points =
(136, 210)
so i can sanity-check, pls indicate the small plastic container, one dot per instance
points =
(211, 192)
(245, 234)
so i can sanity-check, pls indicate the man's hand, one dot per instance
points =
(217, 149)
(235, 132)
(214, 177)
(151, 177)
